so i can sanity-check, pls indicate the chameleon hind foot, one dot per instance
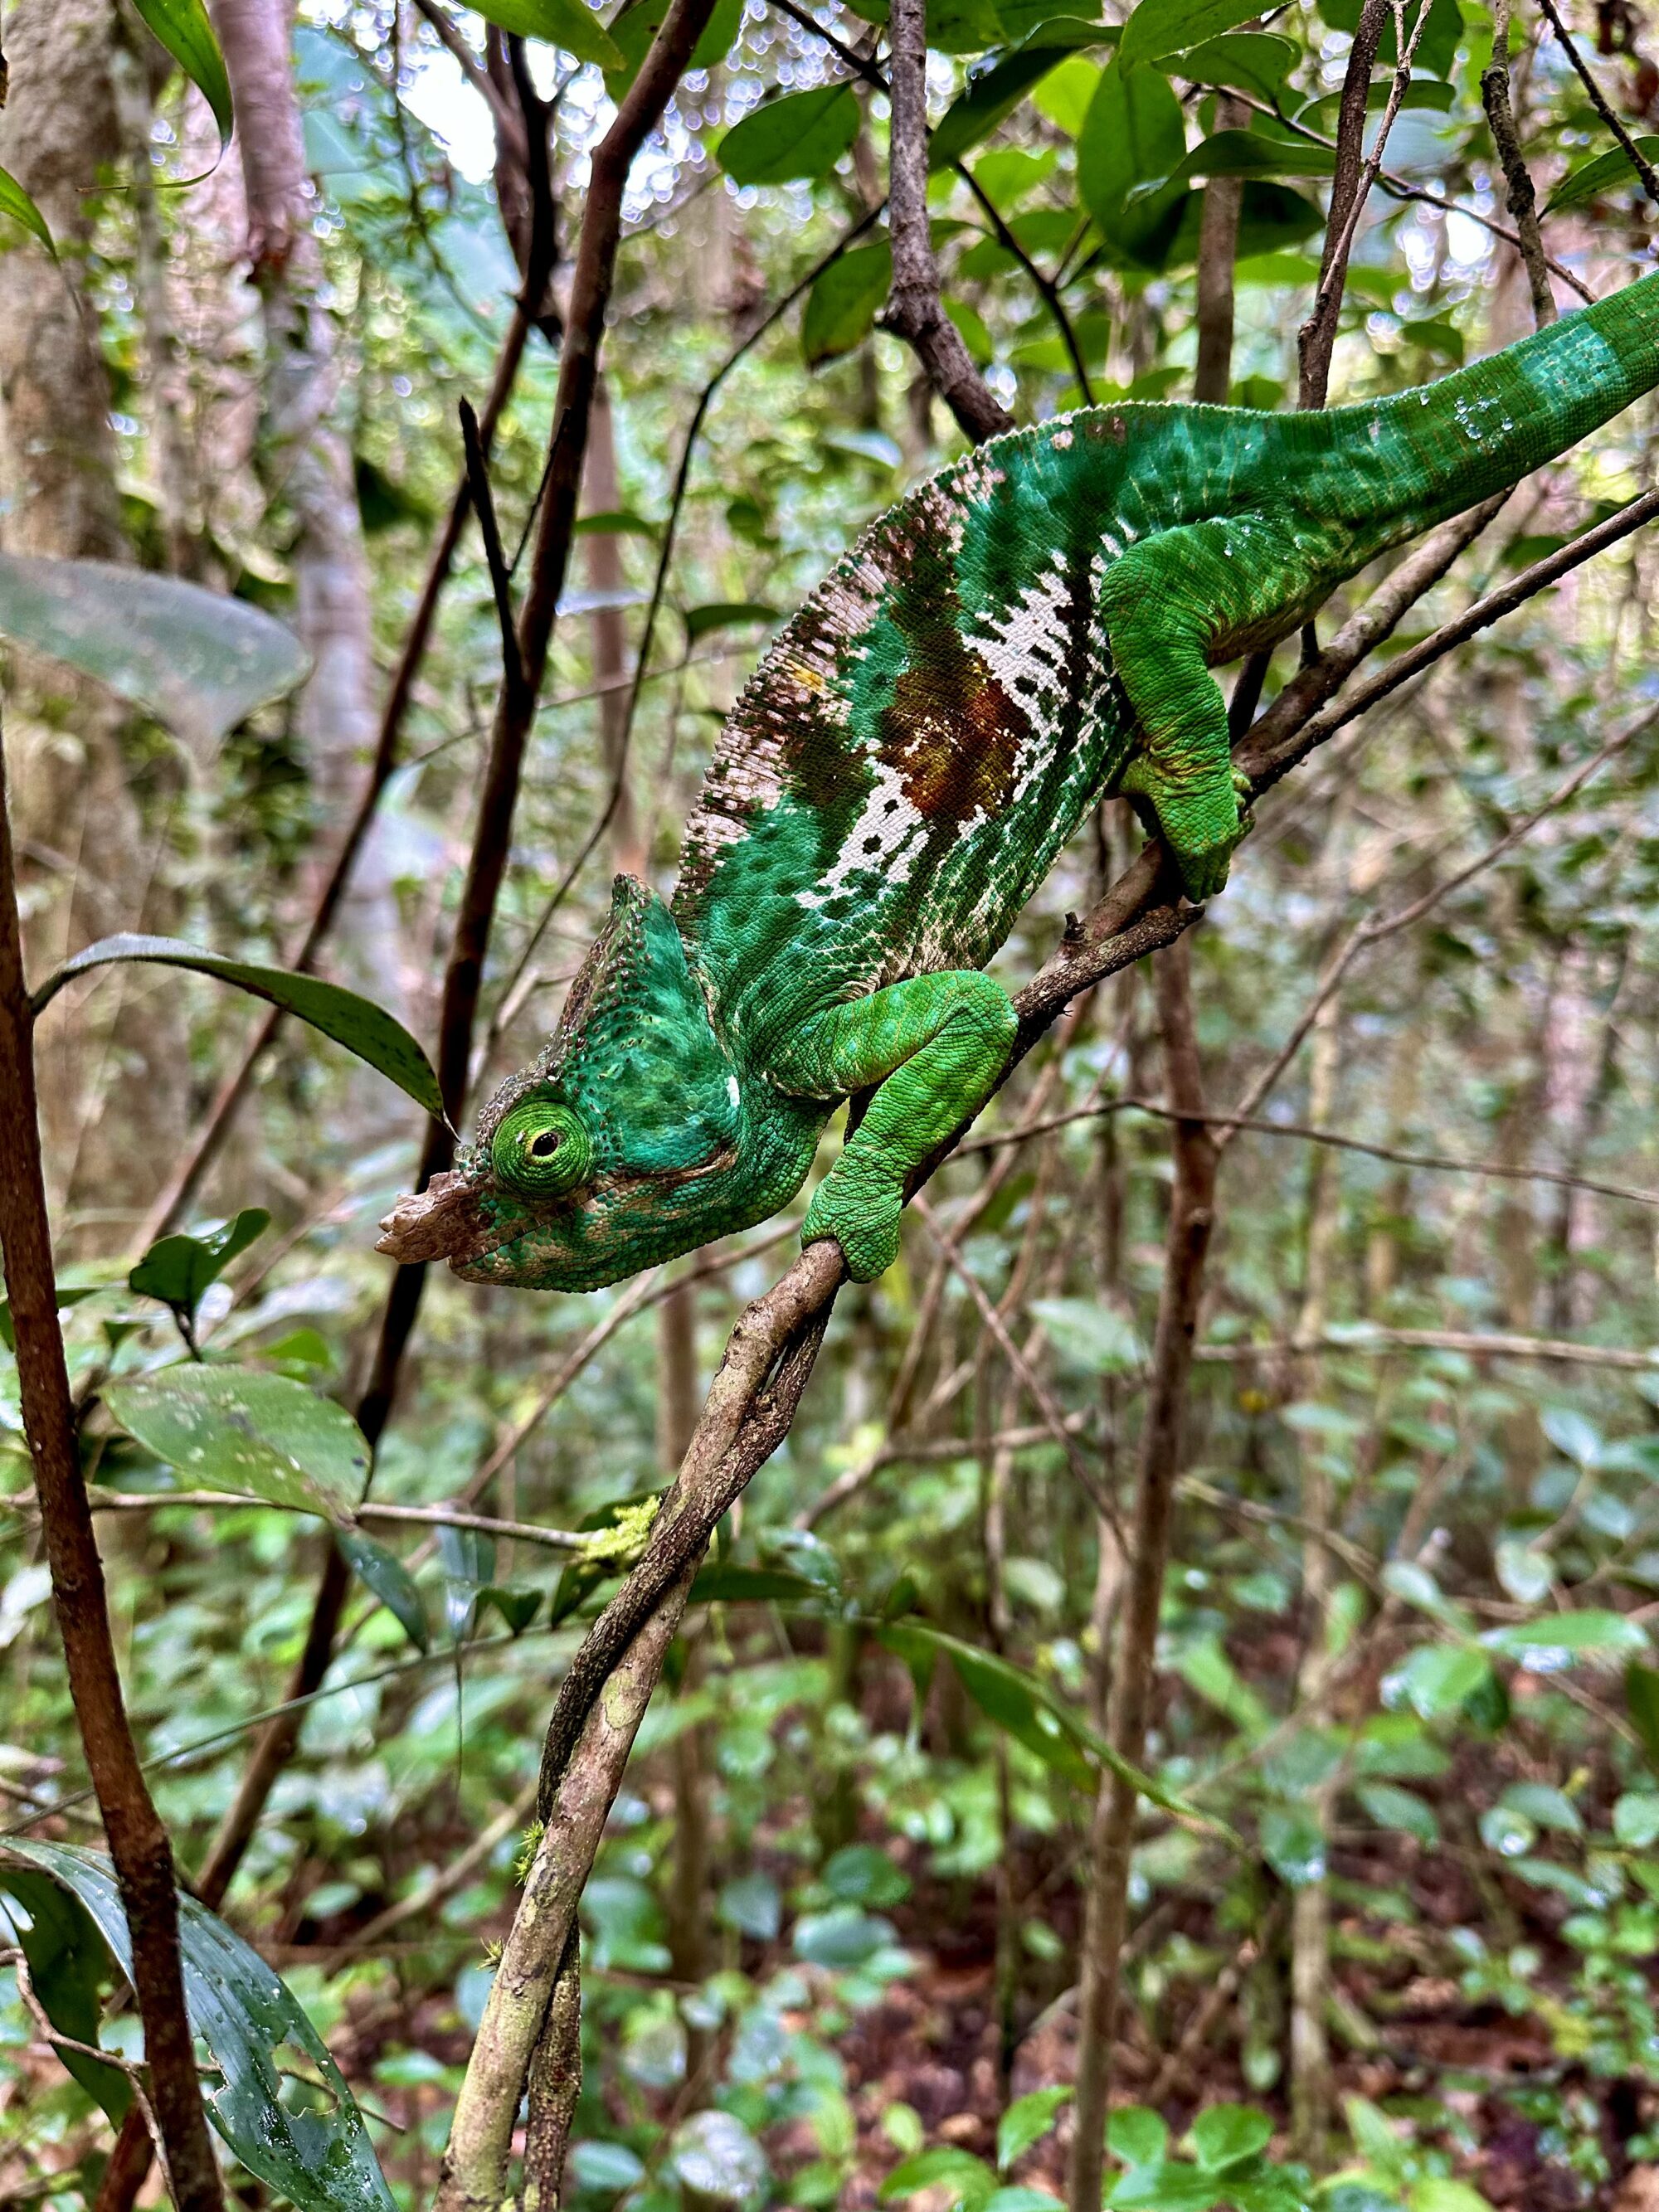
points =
(1202, 818)
(861, 1217)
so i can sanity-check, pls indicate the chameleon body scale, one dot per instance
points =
(1031, 628)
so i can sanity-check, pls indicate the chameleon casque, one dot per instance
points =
(1030, 629)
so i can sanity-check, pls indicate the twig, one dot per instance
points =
(500, 584)
(1522, 199)
(1638, 161)
(138, 1843)
(913, 310)
(1478, 1344)
(1317, 336)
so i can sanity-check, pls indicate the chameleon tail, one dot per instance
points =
(1435, 451)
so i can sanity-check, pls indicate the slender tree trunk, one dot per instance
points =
(110, 1057)
(309, 461)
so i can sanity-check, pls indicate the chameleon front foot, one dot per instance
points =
(1201, 820)
(862, 1217)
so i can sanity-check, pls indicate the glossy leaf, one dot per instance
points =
(1610, 172)
(994, 94)
(1134, 130)
(843, 1936)
(1158, 27)
(803, 134)
(365, 1030)
(1556, 1640)
(1391, 1807)
(1170, 2188)
(860, 1873)
(516, 1604)
(182, 28)
(386, 1577)
(1293, 1844)
(957, 2174)
(196, 660)
(1137, 2134)
(843, 303)
(1248, 61)
(250, 2024)
(724, 614)
(632, 31)
(68, 1965)
(237, 1430)
(1090, 1336)
(178, 1269)
(1226, 2135)
(1026, 2121)
(17, 203)
(1253, 154)
(566, 23)
(1438, 1677)
(728, 1583)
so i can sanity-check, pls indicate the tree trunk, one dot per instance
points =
(309, 463)
(111, 1057)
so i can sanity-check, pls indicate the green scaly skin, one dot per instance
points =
(1030, 630)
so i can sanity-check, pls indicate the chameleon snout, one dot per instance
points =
(445, 1221)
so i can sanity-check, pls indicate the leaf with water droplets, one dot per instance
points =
(252, 1434)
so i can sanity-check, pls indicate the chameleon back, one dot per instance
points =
(925, 735)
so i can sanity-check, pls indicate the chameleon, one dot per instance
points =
(1030, 630)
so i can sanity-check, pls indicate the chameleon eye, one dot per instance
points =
(541, 1149)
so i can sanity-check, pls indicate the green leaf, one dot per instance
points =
(389, 1580)
(843, 303)
(994, 93)
(1158, 27)
(1391, 1807)
(68, 1966)
(252, 2027)
(1438, 1677)
(1137, 2134)
(1642, 1703)
(1636, 1819)
(1253, 154)
(182, 28)
(1293, 1844)
(1250, 60)
(516, 1603)
(724, 614)
(365, 1030)
(1133, 130)
(725, 1582)
(965, 2178)
(1374, 2138)
(17, 203)
(1557, 1640)
(1026, 2121)
(1090, 1336)
(803, 134)
(633, 30)
(1226, 2135)
(564, 23)
(859, 1874)
(751, 1904)
(1541, 1803)
(196, 660)
(1438, 2192)
(1611, 172)
(843, 1936)
(1167, 2188)
(235, 1429)
(178, 1269)
(1573, 1436)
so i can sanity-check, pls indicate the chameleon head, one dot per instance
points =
(617, 1147)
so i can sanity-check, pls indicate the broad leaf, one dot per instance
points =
(994, 93)
(178, 1269)
(198, 661)
(1250, 60)
(843, 1936)
(843, 303)
(1137, 2134)
(68, 1965)
(1557, 1640)
(1604, 173)
(1253, 154)
(364, 1029)
(182, 28)
(564, 23)
(235, 1429)
(516, 1603)
(1026, 2121)
(803, 134)
(1133, 130)
(724, 614)
(633, 30)
(390, 1581)
(1293, 1844)
(1391, 1807)
(1158, 27)
(255, 2032)
(1090, 1336)
(1226, 2135)
(1168, 2188)
(961, 2176)
(16, 202)
(725, 1584)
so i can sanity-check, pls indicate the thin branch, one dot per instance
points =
(1517, 178)
(138, 1842)
(1317, 336)
(1047, 290)
(1638, 161)
(500, 584)
(915, 312)
(1480, 1345)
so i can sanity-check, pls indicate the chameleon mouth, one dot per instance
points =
(446, 1221)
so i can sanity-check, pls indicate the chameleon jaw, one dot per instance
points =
(445, 1221)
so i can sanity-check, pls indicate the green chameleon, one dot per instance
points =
(1033, 627)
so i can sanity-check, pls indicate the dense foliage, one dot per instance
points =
(1405, 1733)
